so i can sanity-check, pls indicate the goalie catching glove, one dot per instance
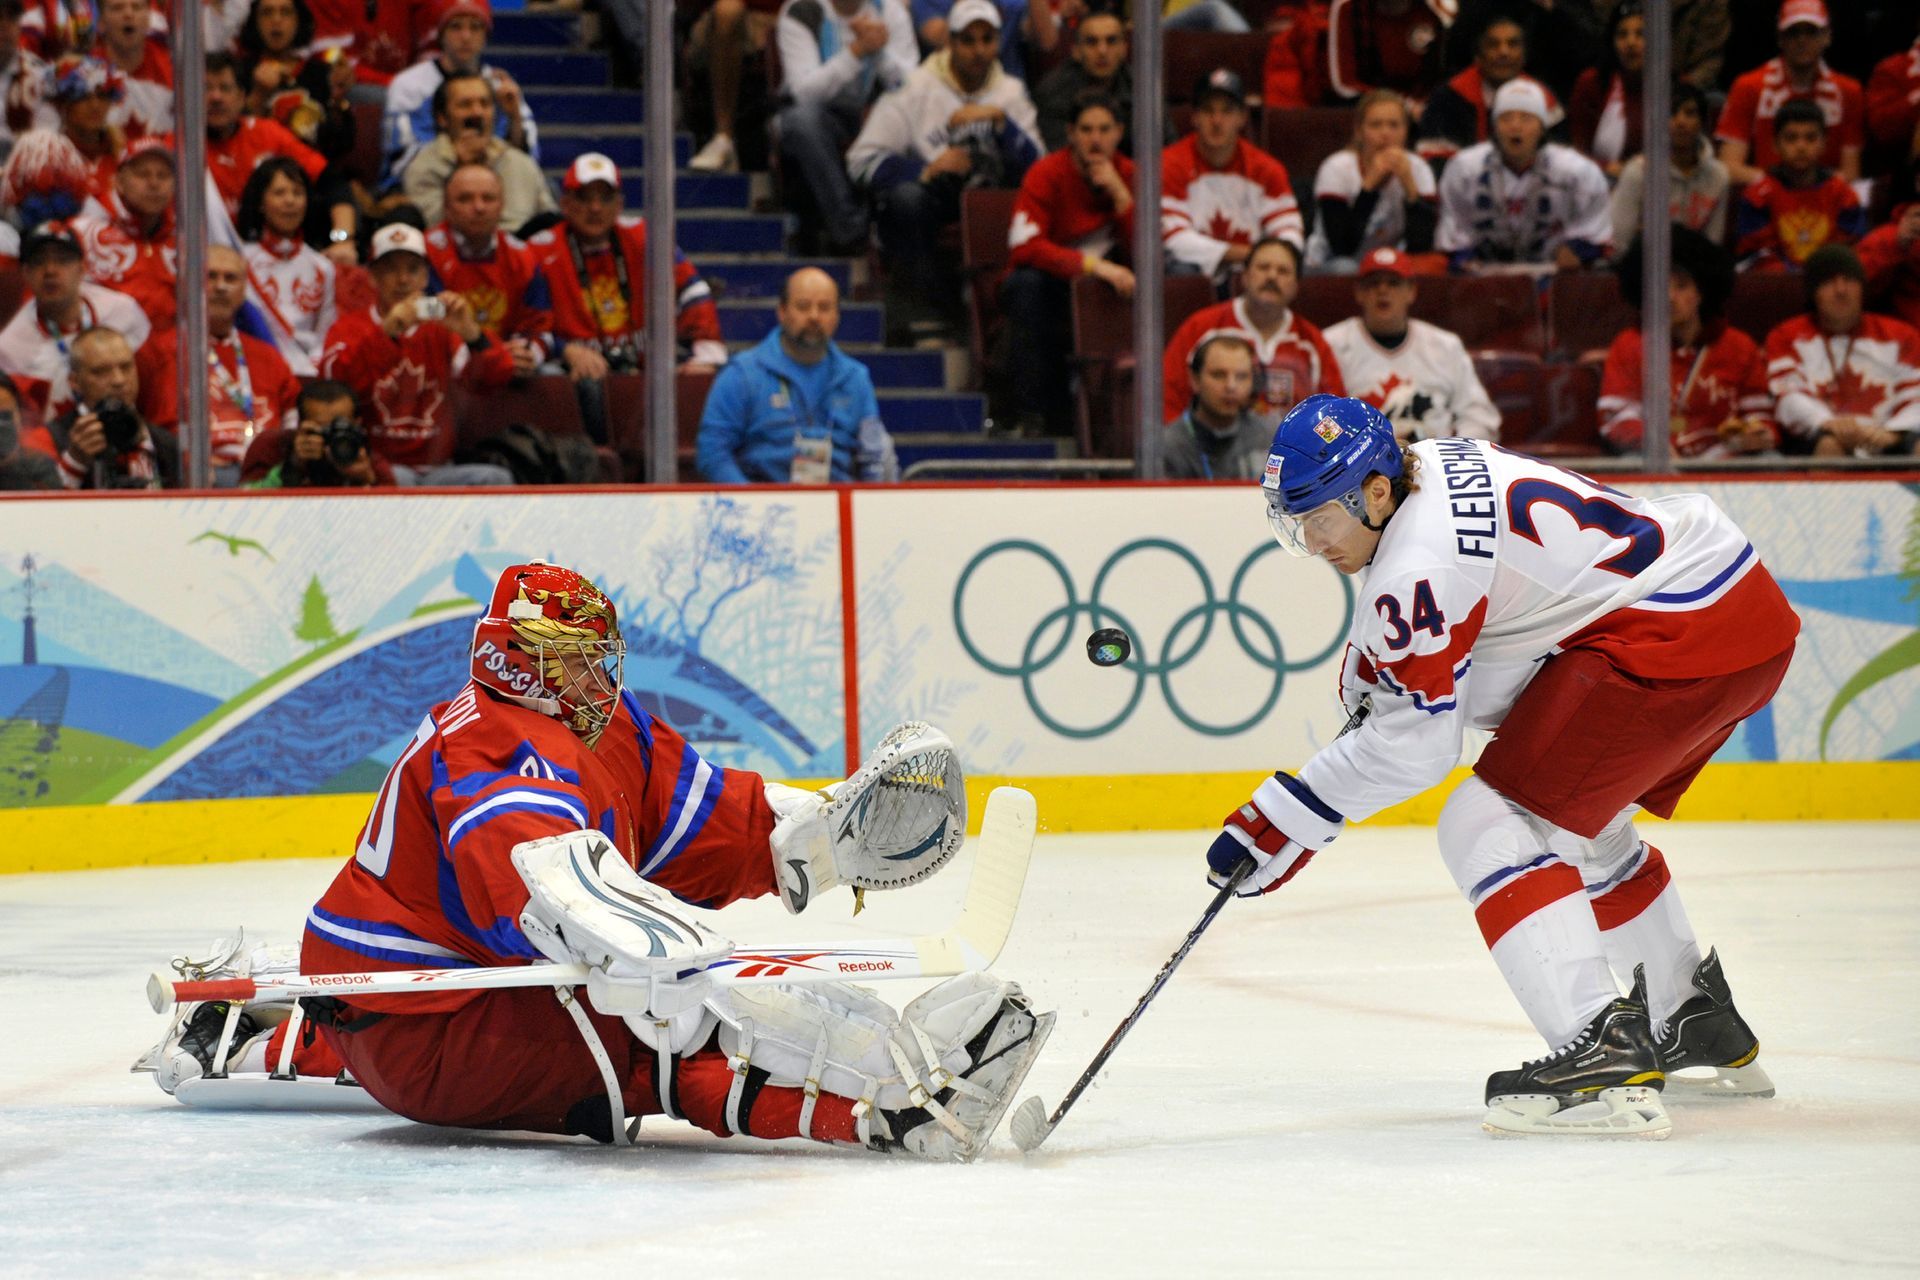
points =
(647, 958)
(897, 820)
(1281, 829)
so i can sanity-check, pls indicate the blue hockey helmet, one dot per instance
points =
(1323, 451)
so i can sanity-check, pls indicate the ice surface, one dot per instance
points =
(1303, 1098)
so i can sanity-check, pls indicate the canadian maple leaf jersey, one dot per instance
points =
(1872, 372)
(1496, 561)
(1295, 362)
(1204, 210)
(432, 884)
(1426, 386)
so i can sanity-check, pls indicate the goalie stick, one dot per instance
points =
(1031, 1124)
(972, 942)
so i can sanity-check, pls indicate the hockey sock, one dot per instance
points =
(1642, 921)
(1530, 907)
(1542, 935)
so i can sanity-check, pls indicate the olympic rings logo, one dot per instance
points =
(1054, 634)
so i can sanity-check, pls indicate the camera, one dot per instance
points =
(119, 423)
(429, 309)
(344, 440)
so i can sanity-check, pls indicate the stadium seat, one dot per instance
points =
(985, 215)
(366, 160)
(1327, 300)
(627, 416)
(1585, 311)
(1103, 357)
(1566, 413)
(1512, 379)
(1301, 138)
(545, 402)
(1500, 313)
(1763, 299)
(1180, 297)
(13, 289)
(1192, 54)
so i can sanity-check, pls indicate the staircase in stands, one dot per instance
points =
(742, 253)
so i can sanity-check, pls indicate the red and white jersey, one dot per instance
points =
(250, 390)
(1295, 361)
(123, 258)
(1873, 372)
(147, 105)
(299, 284)
(1893, 98)
(1496, 561)
(1060, 220)
(432, 882)
(404, 384)
(233, 159)
(1339, 180)
(35, 357)
(1724, 378)
(1426, 386)
(23, 96)
(1756, 98)
(589, 304)
(1203, 210)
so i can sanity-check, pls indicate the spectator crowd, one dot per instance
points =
(1483, 146)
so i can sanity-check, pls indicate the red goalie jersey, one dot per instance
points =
(432, 883)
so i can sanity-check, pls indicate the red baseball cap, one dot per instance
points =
(1386, 261)
(1798, 13)
(588, 169)
(472, 8)
(151, 145)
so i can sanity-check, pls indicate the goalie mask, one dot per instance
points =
(550, 641)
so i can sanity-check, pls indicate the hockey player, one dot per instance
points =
(1612, 643)
(518, 824)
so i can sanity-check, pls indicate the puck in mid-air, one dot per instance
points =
(1108, 647)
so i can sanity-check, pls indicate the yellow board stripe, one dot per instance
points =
(78, 837)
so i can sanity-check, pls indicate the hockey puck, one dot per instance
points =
(1108, 647)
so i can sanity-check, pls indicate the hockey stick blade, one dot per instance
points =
(1031, 1125)
(1003, 852)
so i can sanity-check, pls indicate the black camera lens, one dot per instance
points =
(344, 441)
(119, 423)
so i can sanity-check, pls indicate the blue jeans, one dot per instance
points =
(814, 137)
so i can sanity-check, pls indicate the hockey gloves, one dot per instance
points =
(1281, 829)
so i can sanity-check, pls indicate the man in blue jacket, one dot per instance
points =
(796, 409)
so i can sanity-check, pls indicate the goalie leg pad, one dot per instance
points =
(210, 1039)
(827, 1038)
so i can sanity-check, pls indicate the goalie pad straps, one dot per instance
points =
(290, 1039)
(616, 1109)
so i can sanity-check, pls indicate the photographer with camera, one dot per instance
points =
(102, 441)
(400, 358)
(327, 450)
(250, 389)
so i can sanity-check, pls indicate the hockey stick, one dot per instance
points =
(1031, 1124)
(972, 942)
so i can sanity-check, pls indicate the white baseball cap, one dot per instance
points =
(398, 237)
(590, 168)
(1521, 94)
(967, 12)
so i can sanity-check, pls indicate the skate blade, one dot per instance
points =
(251, 1092)
(1625, 1112)
(1719, 1084)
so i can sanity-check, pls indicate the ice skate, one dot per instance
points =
(1606, 1083)
(965, 1106)
(1708, 1041)
(205, 1041)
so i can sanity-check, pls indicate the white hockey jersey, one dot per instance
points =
(1426, 386)
(1497, 561)
(1492, 214)
(298, 284)
(35, 357)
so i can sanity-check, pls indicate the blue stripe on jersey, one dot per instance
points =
(1306, 796)
(1627, 868)
(1435, 709)
(642, 722)
(522, 799)
(1493, 881)
(382, 941)
(695, 793)
(1688, 597)
(503, 938)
